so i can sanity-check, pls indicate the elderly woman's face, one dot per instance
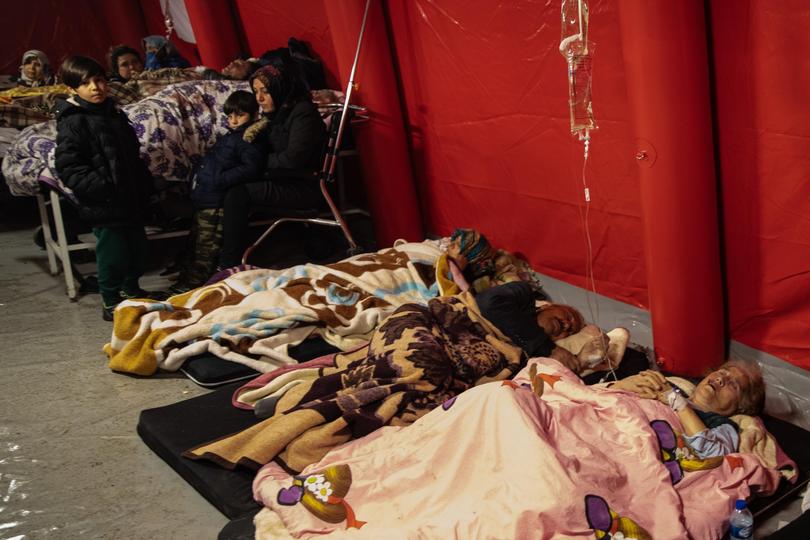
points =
(263, 97)
(128, 65)
(720, 391)
(33, 68)
(559, 321)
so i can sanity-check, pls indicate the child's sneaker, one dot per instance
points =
(181, 287)
(107, 313)
(141, 293)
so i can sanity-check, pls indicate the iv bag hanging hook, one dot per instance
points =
(575, 32)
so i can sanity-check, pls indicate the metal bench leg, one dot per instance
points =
(62, 246)
(46, 232)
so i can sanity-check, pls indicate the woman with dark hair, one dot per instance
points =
(296, 137)
(124, 62)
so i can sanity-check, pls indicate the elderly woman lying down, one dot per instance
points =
(420, 357)
(541, 456)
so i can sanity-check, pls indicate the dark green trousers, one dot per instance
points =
(121, 259)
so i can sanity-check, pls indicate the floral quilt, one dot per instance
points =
(175, 127)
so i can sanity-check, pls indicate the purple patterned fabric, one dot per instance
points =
(175, 126)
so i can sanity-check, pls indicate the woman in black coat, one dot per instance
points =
(296, 137)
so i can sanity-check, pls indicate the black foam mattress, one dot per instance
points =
(173, 429)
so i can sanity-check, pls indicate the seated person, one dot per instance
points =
(238, 155)
(296, 137)
(161, 53)
(124, 62)
(734, 388)
(35, 70)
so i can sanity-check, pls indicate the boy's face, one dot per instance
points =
(94, 90)
(236, 119)
(33, 68)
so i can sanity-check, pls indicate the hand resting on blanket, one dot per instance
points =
(734, 388)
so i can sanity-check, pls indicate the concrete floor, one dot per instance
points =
(71, 464)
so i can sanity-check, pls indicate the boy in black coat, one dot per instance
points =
(236, 157)
(98, 157)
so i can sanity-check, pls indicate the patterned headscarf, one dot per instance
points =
(476, 249)
(281, 84)
(47, 74)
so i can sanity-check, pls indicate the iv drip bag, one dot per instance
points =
(576, 49)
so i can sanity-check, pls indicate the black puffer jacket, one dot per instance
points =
(297, 138)
(98, 157)
(237, 157)
(510, 307)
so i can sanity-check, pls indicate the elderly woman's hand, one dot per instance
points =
(647, 384)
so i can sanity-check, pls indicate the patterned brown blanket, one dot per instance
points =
(252, 317)
(418, 359)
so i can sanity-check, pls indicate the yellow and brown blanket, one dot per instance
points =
(421, 357)
(253, 316)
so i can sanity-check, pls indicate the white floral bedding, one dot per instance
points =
(175, 126)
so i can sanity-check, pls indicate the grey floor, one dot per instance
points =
(71, 464)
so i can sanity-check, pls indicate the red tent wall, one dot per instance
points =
(485, 94)
(268, 25)
(762, 73)
(667, 71)
(60, 29)
(215, 31)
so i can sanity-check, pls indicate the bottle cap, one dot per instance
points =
(740, 504)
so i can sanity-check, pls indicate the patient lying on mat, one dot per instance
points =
(471, 259)
(734, 388)
(420, 357)
(497, 462)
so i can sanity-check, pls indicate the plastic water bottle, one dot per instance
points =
(741, 522)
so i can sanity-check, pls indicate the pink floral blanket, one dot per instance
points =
(498, 461)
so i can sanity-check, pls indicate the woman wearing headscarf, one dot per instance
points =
(297, 136)
(161, 53)
(35, 69)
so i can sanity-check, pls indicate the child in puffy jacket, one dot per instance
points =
(98, 158)
(236, 157)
